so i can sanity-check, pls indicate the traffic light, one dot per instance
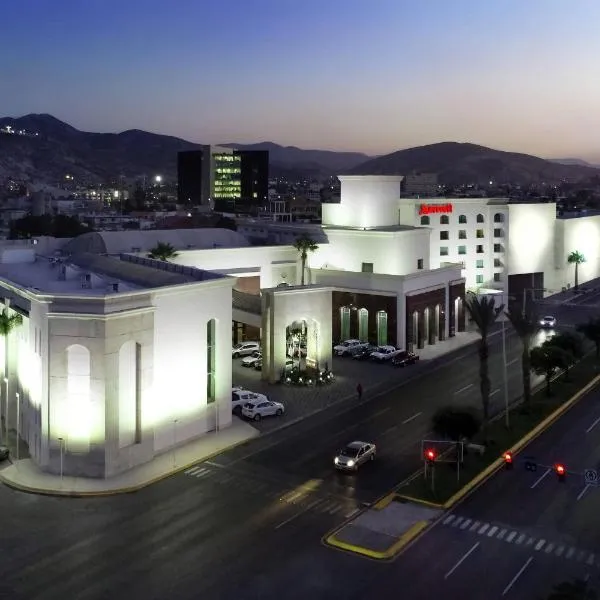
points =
(560, 471)
(430, 456)
(508, 460)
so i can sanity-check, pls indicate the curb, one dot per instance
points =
(116, 491)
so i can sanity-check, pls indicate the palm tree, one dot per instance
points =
(546, 360)
(591, 330)
(571, 344)
(526, 328)
(8, 323)
(484, 312)
(576, 258)
(573, 590)
(304, 245)
(163, 251)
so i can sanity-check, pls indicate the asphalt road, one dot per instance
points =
(247, 524)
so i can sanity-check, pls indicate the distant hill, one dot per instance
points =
(573, 161)
(60, 149)
(457, 163)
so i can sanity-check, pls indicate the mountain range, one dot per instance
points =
(59, 149)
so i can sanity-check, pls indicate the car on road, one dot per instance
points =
(4, 453)
(257, 409)
(239, 397)
(289, 364)
(245, 349)
(548, 322)
(364, 353)
(405, 358)
(384, 353)
(250, 361)
(354, 455)
(349, 347)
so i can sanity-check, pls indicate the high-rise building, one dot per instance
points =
(225, 179)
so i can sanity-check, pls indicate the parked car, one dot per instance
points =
(239, 397)
(384, 353)
(364, 353)
(548, 322)
(349, 347)
(289, 364)
(354, 455)
(250, 361)
(404, 358)
(244, 349)
(257, 409)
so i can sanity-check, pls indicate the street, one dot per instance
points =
(248, 523)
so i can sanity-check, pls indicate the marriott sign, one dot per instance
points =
(432, 209)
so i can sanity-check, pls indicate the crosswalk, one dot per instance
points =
(510, 535)
(300, 496)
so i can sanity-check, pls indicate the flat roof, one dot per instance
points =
(387, 228)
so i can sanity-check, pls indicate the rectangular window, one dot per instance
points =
(480, 233)
(497, 262)
(363, 325)
(497, 232)
(498, 248)
(479, 264)
(367, 267)
(444, 251)
(462, 234)
(444, 235)
(462, 249)
(382, 329)
(345, 322)
(497, 277)
(479, 279)
(419, 263)
(479, 250)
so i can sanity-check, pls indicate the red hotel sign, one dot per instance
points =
(432, 209)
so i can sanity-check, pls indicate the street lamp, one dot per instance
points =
(18, 398)
(158, 179)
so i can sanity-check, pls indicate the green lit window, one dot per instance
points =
(479, 264)
(363, 325)
(478, 278)
(382, 328)
(345, 323)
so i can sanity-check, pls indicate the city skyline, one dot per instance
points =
(511, 77)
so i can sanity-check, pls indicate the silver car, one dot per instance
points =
(354, 455)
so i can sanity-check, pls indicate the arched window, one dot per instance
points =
(382, 328)
(79, 395)
(444, 220)
(425, 220)
(363, 325)
(345, 322)
(498, 218)
(462, 218)
(480, 218)
(211, 347)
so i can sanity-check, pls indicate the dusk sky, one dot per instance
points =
(366, 75)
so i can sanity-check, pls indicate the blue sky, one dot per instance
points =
(366, 75)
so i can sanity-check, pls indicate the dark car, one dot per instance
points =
(405, 358)
(364, 353)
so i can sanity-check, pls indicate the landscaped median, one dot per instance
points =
(380, 532)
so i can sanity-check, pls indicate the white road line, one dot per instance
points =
(458, 521)
(192, 470)
(511, 536)
(483, 529)
(513, 361)
(530, 541)
(460, 562)
(549, 548)
(494, 392)
(475, 526)
(492, 531)
(352, 513)
(306, 509)
(463, 389)
(202, 473)
(411, 418)
(540, 478)
(540, 544)
(502, 534)
(520, 539)
(514, 579)
(570, 552)
(593, 425)
(466, 524)
(582, 492)
(559, 550)
(382, 411)
(590, 560)
(334, 509)
(449, 519)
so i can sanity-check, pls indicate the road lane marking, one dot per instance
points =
(381, 412)
(520, 539)
(463, 389)
(494, 392)
(549, 548)
(449, 519)
(192, 470)
(514, 579)
(593, 425)
(351, 514)
(580, 556)
(539, 479)
(530, 541)
(559, 550)
(460, 562)
(475, 526)
(492, 531)
(583, 491)
(502, 534)
(458, 521)
(484, 529)
(411, 418)
(540, 544)
(466, 524)
(570, 552)
(306, 509)
(511, 536)
(590, 560)
(513, 361)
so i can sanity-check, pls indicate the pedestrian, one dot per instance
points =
(359, 391)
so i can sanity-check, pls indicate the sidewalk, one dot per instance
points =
(24, 475)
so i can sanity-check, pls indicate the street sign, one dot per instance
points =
(591, 477)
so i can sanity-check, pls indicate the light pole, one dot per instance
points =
(18, 398)
(61, 442)
(6, 410)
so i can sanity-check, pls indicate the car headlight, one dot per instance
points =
(336, 460)
(350, 463)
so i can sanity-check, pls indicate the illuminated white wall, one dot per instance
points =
(581, 234)
(393, 253)
(366, 201)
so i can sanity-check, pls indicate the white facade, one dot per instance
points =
(115, 365)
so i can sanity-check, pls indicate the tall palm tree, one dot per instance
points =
(526, 328)
(576, 258)
(304, 244)
(8, 322)
(163, 251)
(484, 313)
(591, 330)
